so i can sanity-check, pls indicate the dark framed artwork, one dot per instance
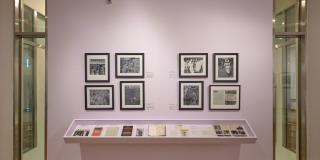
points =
(193, 65)
(225, 67)
(224, 97)
(99, 97)
(97, 67)
(191, 95)
(129, 65)
(132, 95)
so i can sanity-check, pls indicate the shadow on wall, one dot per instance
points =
(160, 152)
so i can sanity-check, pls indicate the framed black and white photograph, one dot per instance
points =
(193, 65)
(224, 97)
(99, 97)
(132, 95)
(97, 67)
(190, 95)
(225, 67)
(129, 65)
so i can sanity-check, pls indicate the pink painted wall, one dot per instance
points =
(160, 29)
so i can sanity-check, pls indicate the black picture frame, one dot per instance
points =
(97, 78)
(222, 68)
(221, 106)
(119, 68)
(90, 106)
(124, 94)
(182, 92)
(184, 69)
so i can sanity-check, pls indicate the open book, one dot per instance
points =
(157, 130)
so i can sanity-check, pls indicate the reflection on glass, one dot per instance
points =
(16, 14)
(290, 95)
(291, 19)
(40, 23)
(287, 16)
(28, 20)
(279, 23)
(28, 130)
(33, 20)
(286, 58)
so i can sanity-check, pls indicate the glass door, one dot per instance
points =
(286, 75)
(289, 115)
(30, 80)
(33, 100)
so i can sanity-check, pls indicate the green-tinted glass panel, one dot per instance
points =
(40, 25)
(292, 19)
(286, 16)
(28, 105)
(279, 23)
(33, 99)
(28, 19)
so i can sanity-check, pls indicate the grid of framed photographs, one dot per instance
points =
(191, 93)
(221, 97)
(101, 97)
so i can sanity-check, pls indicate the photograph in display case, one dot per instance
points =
(129, 65)
(127, 131)
(132, 95)
(222, 130)
(82, 131)
(224, 97)
(225, 67)
(99, 97)
(237, 130)
(228, 130)
(193, 65)
(190, 95)
(97, 67)
(139, 132)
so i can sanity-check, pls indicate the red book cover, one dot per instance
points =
(97, 132)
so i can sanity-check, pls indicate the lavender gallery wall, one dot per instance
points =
(161, 29)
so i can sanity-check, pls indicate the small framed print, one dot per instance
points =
(191, 95)
(225, 67)
(132, 95)
(99, 97)
(129, 65)
(224, 97)
(193, 65)
(97, 67)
